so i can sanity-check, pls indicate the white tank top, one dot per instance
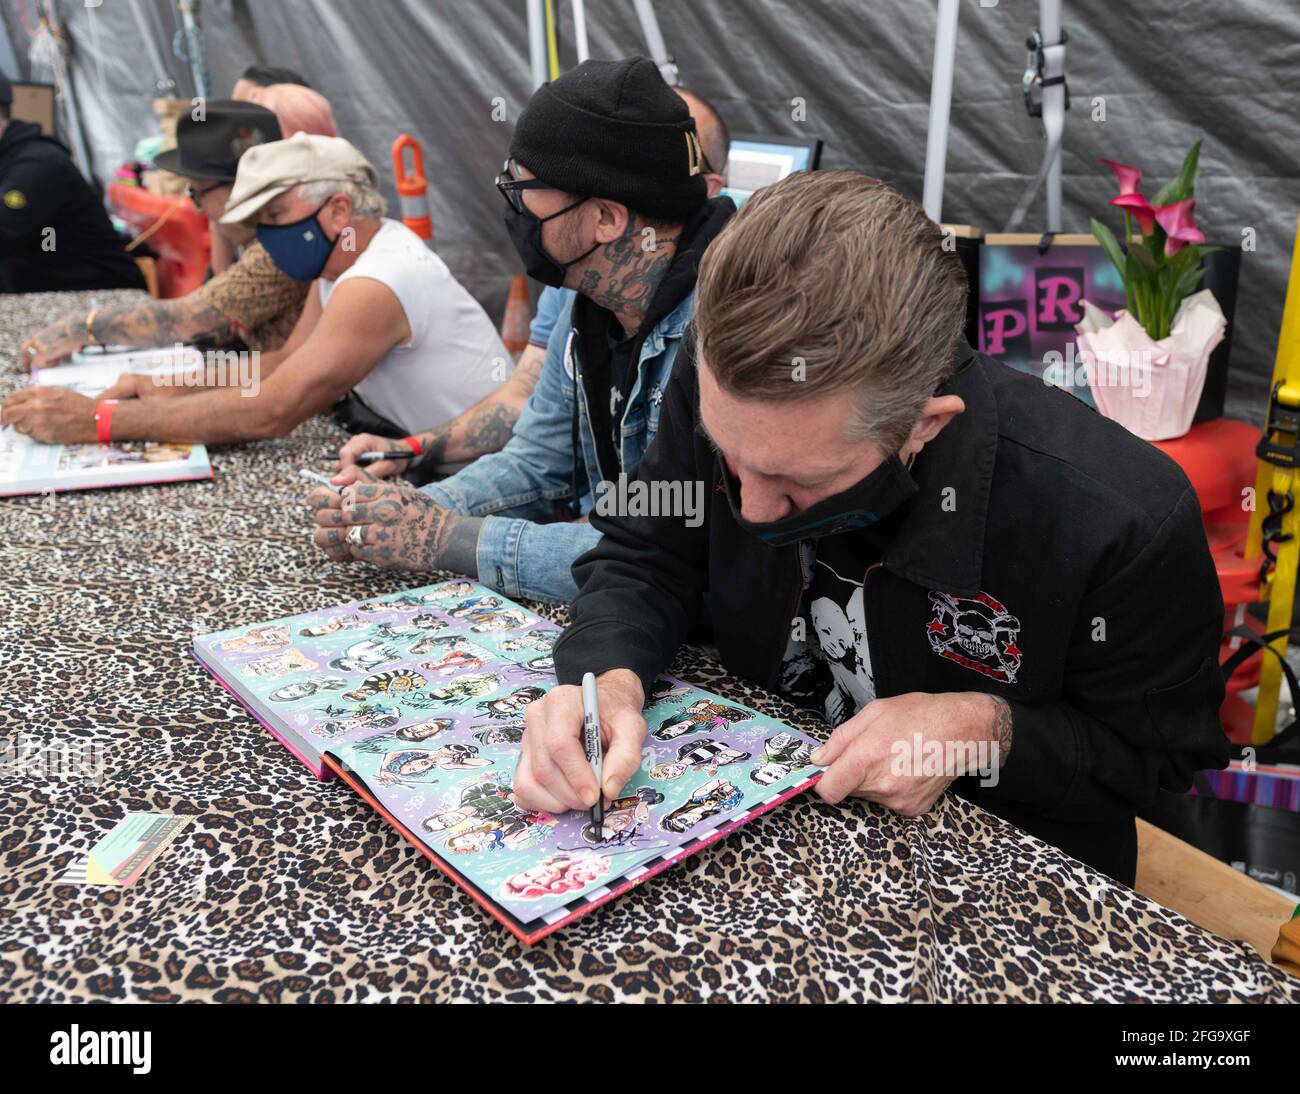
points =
(455, 356)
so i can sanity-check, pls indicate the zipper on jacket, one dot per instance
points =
(774, 677)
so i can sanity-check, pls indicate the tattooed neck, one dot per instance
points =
(629, 271)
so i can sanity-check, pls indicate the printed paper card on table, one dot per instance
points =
(127, 851)
(417, 701)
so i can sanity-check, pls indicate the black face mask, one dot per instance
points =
(526, 234)
(862, 505)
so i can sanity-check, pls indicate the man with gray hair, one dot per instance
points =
(965, 571)
(387, 336)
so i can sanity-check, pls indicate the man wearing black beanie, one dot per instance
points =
(606, 194)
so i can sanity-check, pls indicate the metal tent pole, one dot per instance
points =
(537, 41)
(195, 51)
(1049, 25)
(936, 139)
(654, 40)
(580, 30)
(1045, 72)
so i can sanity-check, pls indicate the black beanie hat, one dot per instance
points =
(616, 130)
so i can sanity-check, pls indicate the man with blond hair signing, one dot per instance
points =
(942, 556)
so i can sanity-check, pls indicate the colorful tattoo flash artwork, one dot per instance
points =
(702, 714)
(782, 754)
(706, 756)
(279, 664)
(333, 625)
(301, 689)
(420, 698)
(257, 640)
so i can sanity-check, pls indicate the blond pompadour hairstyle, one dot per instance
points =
(831, 282)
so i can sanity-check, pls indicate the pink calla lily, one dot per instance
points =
(1128, 177)
(1139, 209)
(1179, 224)
(1147, 265)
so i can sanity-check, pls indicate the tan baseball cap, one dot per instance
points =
(268, 170)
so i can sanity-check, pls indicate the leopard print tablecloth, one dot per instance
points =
(284, 888)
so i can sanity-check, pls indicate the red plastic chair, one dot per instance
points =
(1219, 459)
(177, 233)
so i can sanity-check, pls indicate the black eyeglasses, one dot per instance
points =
(197, 196)
(510, 186)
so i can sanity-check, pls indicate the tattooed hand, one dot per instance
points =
(54, 343)
(327, 514)
(396, 526)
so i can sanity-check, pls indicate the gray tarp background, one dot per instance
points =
(1169, 70)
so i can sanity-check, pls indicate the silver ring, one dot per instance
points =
(356, 535)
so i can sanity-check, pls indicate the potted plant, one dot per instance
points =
(1146, 363)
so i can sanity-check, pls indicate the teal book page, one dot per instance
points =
(421, 697)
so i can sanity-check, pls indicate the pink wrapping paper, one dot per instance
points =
(1151, 388)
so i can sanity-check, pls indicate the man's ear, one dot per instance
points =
(340, 210)
(938, 411)
(612, 220)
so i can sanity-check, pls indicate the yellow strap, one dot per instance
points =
(1279, 587)
(552, 42)
(154, 226)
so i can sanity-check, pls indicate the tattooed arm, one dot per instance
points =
(247, 375)
(485, 427)
(363, 322)
(1002, 726)
(148, 323)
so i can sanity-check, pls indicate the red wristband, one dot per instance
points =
(414, 444)
(104, 420)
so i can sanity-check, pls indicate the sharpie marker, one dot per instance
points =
(312, 476)
(367, 458)
(591, 742)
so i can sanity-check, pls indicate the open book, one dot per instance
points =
(28, 467)
(119, 359)
(417, 701)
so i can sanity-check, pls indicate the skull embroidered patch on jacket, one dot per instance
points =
(977, 633)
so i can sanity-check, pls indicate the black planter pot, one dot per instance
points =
(1221, 270)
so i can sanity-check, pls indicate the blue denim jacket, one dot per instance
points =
(521, 483)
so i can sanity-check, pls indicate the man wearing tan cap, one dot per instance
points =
(387, 336)
(247, 304)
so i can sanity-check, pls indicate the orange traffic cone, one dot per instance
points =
(412, 188)
(514, 328)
